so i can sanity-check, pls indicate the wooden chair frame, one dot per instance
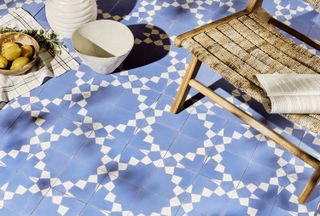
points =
(190, 81)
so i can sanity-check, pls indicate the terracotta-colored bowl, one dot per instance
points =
(22, 39)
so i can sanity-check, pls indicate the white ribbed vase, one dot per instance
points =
(64, 16)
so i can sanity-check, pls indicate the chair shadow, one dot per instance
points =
(276, 119)
(310, 19)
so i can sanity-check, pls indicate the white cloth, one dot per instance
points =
(14, 86)
(292, 93)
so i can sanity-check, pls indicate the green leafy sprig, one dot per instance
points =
(46, 39)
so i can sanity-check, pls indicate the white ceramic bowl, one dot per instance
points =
(103, 44)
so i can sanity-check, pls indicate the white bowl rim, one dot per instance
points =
(104, 20)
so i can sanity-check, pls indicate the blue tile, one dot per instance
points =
(148, 203)
(6, 212)
(63, 137)
(174, 181)
(33, 8)
(288, 198)
(121, 9)
(211, 198)
(189, 152)
(83, 127)
(224, 166)
(175, 61)
(13, 161)
(79, 180)
(137, 102)
(104, 96)
(113, 122)
(260, 182)
(163, 22)
(315, 30)
(273, 156)
(207, 76)
(136, 8)
(238, 139)
(49, 161)
(169, 11)
(198, 125)
(91, 211)
(8, 115)
(149, 76)
(255, 207)
(265, 154)
(100, 152)
(185, 212)
(27, 194)
(6, 174)
(310, 143)
(239, 99)
(42, 19)
(55, 203)
(134, 166)
(292, 134)
(114, 195)
(58, 89)
(154, 137)
(176, 28)
(17, 145)
(161, 113)
(206, 105)
(279, 211)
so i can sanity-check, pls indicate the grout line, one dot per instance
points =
(42, 8)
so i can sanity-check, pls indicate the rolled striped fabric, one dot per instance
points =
(291, 93)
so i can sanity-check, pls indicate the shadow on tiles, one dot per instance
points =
(151, 44)
(254, 107)
(116, 9)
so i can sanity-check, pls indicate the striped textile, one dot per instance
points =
(292, 93)
(48, 66)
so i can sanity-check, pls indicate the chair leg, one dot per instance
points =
(184, 89)
(312, 183)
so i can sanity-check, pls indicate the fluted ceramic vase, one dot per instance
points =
(64, 16)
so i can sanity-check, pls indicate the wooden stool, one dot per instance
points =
(245, 44)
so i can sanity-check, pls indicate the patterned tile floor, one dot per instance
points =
(87, 144)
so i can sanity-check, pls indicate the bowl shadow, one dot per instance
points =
(115, 9)
(151, 44)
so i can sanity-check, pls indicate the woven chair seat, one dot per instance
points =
(248, 45)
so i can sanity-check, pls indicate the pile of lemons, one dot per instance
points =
(15, 56)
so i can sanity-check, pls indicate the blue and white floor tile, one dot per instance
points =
(89, 144)
(57, 203)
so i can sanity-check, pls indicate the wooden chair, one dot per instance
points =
(240, 46)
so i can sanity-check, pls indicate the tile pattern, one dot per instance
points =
(88, 144)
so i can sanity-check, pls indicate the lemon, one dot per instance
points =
(11, 53)
(27, 51)
(19, 63)
(6, 45)
(3, 62)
